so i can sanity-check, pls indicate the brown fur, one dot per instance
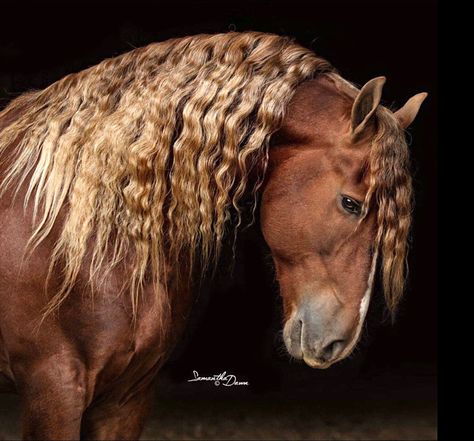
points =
(87, 372)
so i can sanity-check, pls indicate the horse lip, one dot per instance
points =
(316, 364)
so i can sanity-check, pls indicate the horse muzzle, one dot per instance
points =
(320, 332)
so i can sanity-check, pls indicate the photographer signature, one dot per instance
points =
(224, 378)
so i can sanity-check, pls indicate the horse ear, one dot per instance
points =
(408, 112)
(365, 105)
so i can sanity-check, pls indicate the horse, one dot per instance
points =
(121, 183)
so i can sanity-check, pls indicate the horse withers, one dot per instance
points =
(120, 183)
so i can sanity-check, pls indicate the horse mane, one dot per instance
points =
(151, 152)
(391, 192)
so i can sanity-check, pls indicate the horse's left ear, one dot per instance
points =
(408, 112)
(365, 105)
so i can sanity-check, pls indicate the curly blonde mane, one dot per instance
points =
(152, 151)
(390, 192)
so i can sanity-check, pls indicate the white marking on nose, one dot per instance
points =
(363, 308)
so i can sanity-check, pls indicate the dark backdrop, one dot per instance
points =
(237, 321)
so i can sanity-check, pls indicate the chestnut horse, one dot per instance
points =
(118, 184)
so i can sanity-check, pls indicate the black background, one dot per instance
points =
(237, 321)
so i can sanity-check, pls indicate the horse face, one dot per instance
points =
(322, 252)
(311, 217)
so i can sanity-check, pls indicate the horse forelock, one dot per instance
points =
(390, 194)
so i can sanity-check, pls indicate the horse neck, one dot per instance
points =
(317, 115)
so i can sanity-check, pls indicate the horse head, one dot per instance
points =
(337, 190)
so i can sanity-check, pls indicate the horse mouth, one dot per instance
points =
(316, 364)
(297, 347)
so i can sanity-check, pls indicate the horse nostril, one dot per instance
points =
(332, 350)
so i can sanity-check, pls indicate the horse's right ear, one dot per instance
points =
(365, 105)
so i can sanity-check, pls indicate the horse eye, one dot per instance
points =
(351, 205)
